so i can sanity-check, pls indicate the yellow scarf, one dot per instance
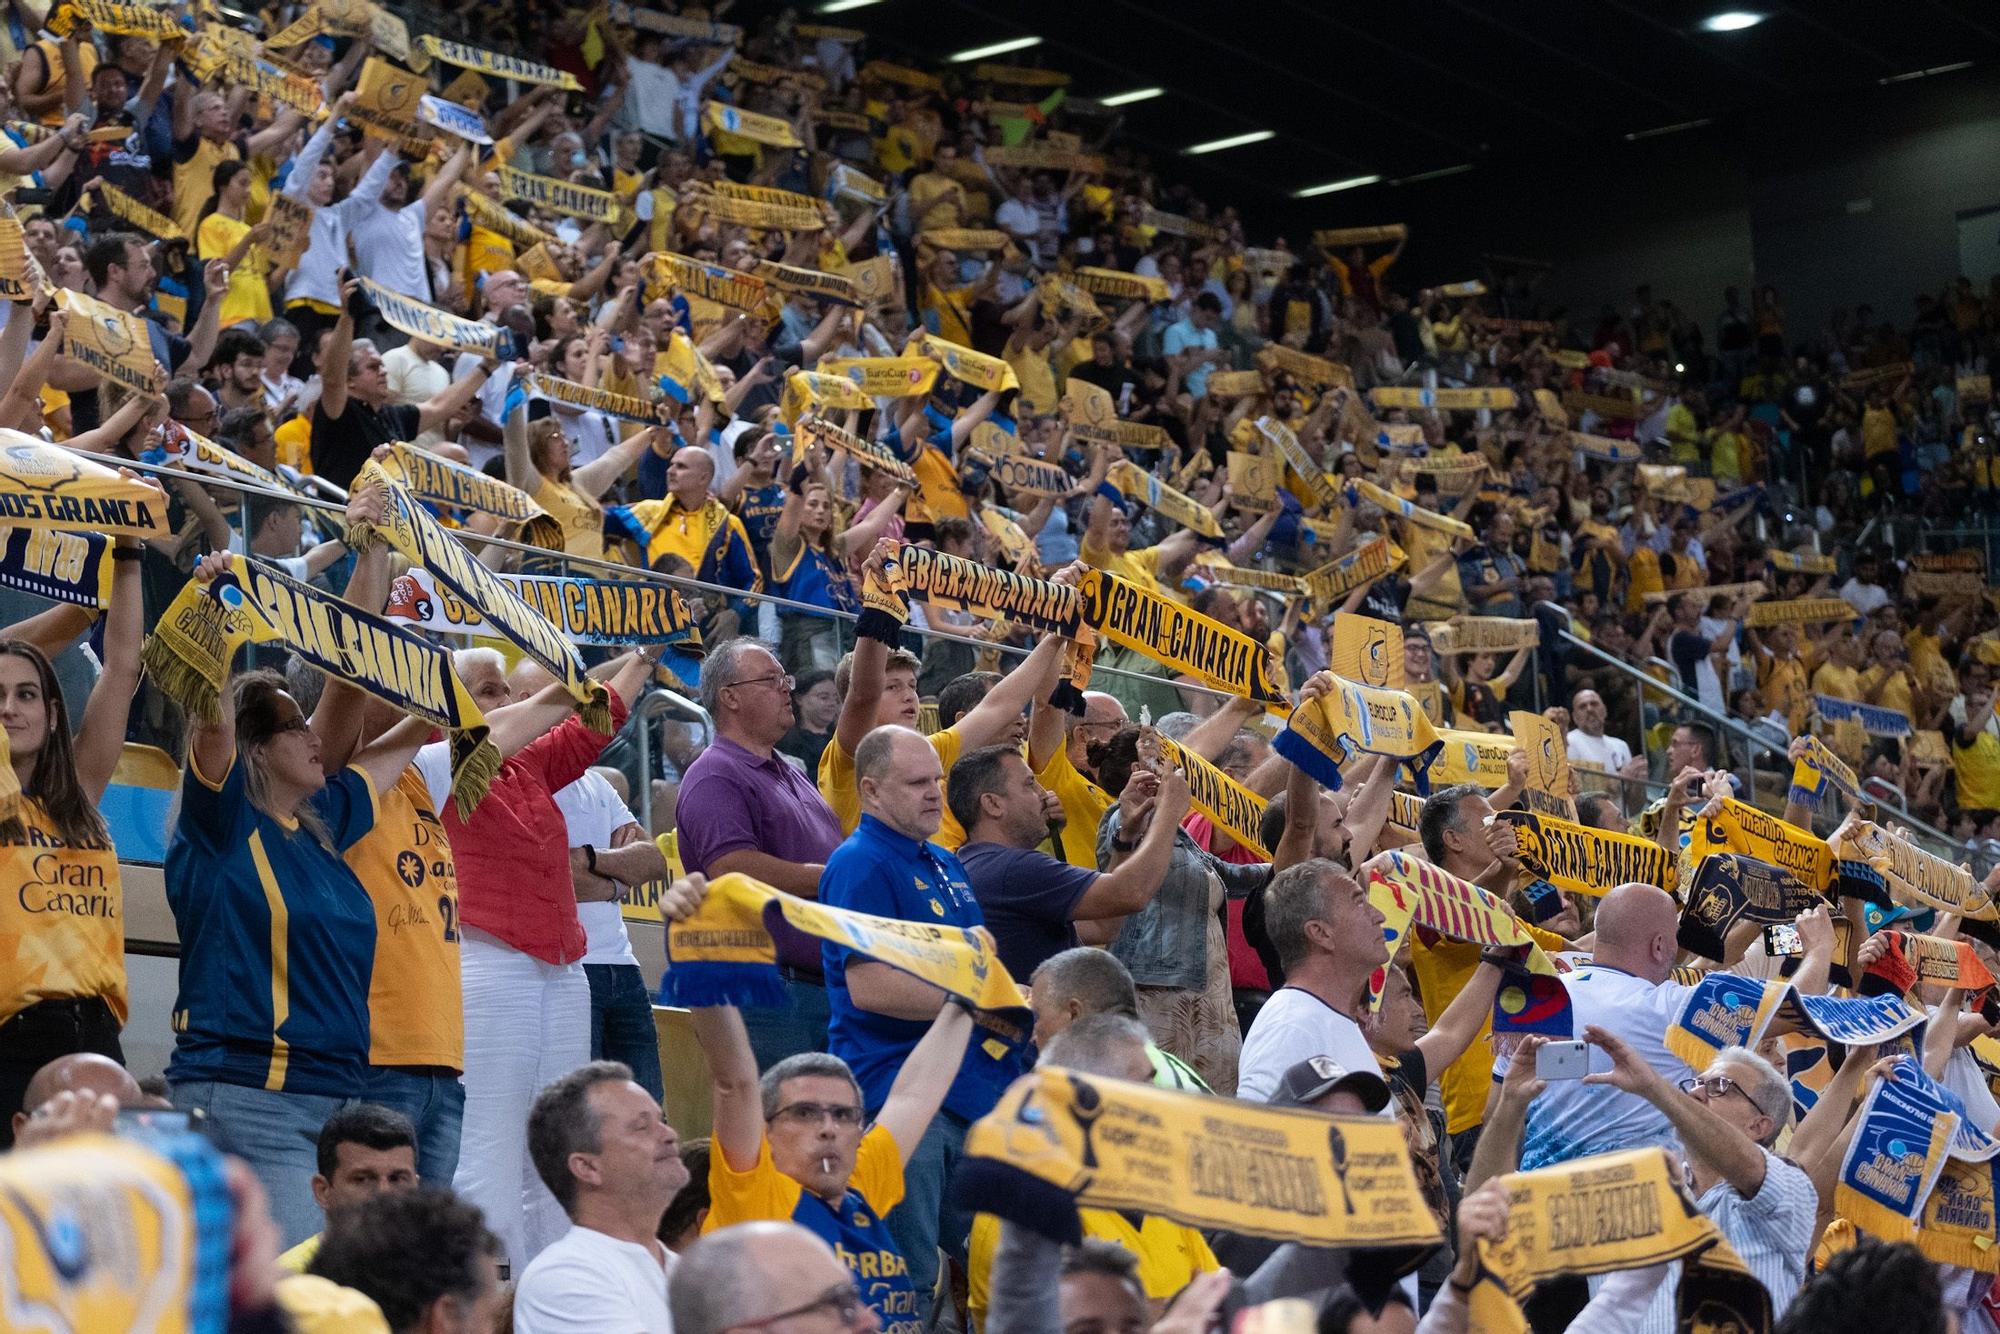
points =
(1471, 757)
(812, 391)
(410, 529)
(1281, 437)
(431, 324)
(1800, 611)
(44, 486)
(1129, 286)
(1410, 510)
(1609, 1212)
(1229, 806)
(110, 341)
(190, 649)
(883, 377)
(758, 206)
(627, 407)
(125, 20)
(127, 209)
(1324, 734)
(1058, 1139)
(1802, 562)
(1740, 828)
(869, 453)
(1367, 651)
(1342, 575)
(1443, 400)
(499, 66)
(487, 212)
(1583, 860)
(1183, 510)
(558, 196)
(775, 131)
(1175, 636)
(1913, 875)
(963, 364)
(1484, 634)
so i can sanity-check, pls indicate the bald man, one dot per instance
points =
(1059, 753)
(765, 1275)
(609, 853)
(889, 867)
(691, 523)
(87, 1075)
(1589, 745)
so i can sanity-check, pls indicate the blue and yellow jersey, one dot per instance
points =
(404, 862)
(277, 939)
(62, 920)
(711, 539)
(814, 577)
(853, 1227)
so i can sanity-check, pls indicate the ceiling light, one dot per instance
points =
(1127, 99)
(1335, 187)
(1675, 128)
(1925, 73)
(997, 49)
(1233, 141)
(842, 6)
(1732, 20)
(1439, 174)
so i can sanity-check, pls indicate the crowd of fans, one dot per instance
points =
(421, 1024)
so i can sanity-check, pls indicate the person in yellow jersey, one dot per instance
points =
(62, 915)
(1059, 747)
(224, 235)
(1840, 675)
(1107, 545)
(204, 139)
(878, 688)
(1975, 753)
(538, 463)
(1169, 1254)
(691, 523)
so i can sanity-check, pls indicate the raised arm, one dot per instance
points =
(437, 194)
(1456, 1029)
(1726, 1150)
(925, 1078)
(736, 1101)
(1136, 876)
(101, 739)
(267, 140)
(1033, 679)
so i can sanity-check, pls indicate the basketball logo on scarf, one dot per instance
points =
(1367, 650)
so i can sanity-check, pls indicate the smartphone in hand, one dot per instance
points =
(1563, 1060)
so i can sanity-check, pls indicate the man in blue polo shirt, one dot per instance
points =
(888, 868)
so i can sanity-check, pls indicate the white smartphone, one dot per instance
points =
(1781, 940)
(1563, 1060)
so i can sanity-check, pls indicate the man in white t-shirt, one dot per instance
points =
(1589, 745)
(611, 1160)
(1329, 939)
(609, 853)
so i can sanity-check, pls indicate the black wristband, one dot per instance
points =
(127, 553)
(590, 858)
(953, 998)
(1120, 845)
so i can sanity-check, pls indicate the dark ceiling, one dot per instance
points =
(1403, 88)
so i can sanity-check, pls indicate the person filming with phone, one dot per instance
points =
(1625, 991)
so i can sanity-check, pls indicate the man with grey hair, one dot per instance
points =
(1727, 1118)
(742, 808)
(890, 867)
(1329, 941)
(1085, 981)
(764, 1276)
(609, 1157)
(791, 1145)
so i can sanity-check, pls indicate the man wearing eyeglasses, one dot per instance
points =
(771, 1276)
(1727, 1118)
(792, 1146)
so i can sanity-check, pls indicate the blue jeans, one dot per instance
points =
(434, 1100)
(929, 1217)
(277, 1134)
(621, 1022)
(801, 1026)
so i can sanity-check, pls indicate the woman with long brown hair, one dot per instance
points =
(62, 909)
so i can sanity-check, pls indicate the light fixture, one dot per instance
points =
(842, 6)
(1732, 20)
(1439, 174)
(1233, 141)
(1127, 99)
(1012, 44)
(1675, 128)
(1925, 73)
(1335, 187)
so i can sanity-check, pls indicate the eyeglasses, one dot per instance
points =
(812, 1113)
(1716, 1086)
(298, 724)
(844, 1301)
(786, 681)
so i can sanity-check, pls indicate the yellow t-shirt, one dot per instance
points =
(1895, 694)
(62, 925)
(1083, 803)
(404, 862)
(1878, 432)
(953, 309)
(836, 784)
(1170, 1254)
(582, 522)
(1037, 377)
(1141, 567)
(1781, 682)
(194, 180)
(1977, 768)
(937, 486)
(52, 54)
(1840, 682)
(249, 295)
(1443, 970)
(764, 1194)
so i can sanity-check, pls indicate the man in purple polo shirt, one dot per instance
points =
(743, 808)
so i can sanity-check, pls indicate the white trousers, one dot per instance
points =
(527, 1024)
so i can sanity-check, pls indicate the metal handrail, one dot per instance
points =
(654, 703)
(1726, 725)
